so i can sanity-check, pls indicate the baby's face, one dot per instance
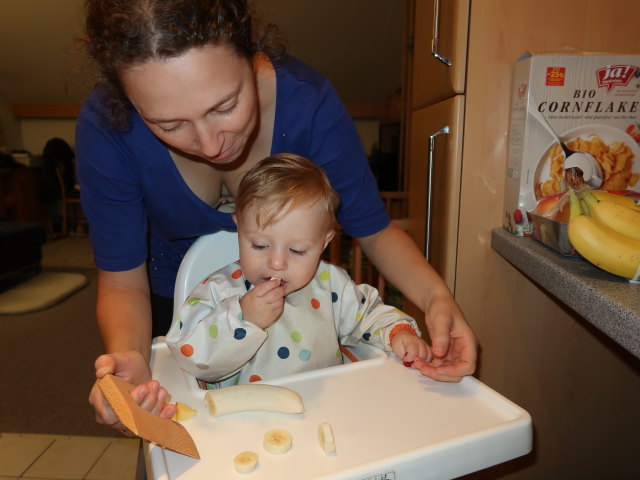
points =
(288, 249)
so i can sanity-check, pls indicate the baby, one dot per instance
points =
(280, 309)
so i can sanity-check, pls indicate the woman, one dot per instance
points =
(193, 93)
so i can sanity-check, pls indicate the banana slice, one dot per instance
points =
(325, 438)
(245, 462)
(183, 412)
(253, 396)
(277, 441)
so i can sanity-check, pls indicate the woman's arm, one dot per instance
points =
(124, 318)
(124, 311)
(453, 342)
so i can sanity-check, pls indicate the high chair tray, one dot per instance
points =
(389, 422)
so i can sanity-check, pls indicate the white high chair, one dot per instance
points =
(207, 254)
(408, 426)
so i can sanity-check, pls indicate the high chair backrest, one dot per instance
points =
(207, 254)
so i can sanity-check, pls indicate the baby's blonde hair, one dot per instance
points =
(281, 182)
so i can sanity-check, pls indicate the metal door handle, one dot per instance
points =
(436, 34)
(432, 147)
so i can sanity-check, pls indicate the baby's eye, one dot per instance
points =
(258, 247)
(297, 252)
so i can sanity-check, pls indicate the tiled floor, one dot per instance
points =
(60, 457)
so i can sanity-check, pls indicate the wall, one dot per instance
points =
(10, 133)
(368, 130)
(36, 132)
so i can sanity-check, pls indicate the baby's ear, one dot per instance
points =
(329, 237)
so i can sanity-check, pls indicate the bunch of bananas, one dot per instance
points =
(605, 229)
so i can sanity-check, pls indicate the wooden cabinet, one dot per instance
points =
(439, 50)
(20, 196)
(580, 388)
(438, 68)
(434, 182)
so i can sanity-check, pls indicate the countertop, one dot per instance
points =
(610, 303)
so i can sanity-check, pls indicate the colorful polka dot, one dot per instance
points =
(186, 350)
(296, 336)
(239, 333)
(324, 275)
(366, 336)
(193, 301)
(334, 297)
(304, 355)
(338, 353)
(213, 331)
(377, 332)
(236, 274)
(283, 352)
(315, 303)
(247, 285)
(363, 300)
(358, 317)
(204, 281)
(255, 378)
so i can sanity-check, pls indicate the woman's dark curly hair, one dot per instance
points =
(124, 33)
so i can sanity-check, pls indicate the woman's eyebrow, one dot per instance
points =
(213, 107)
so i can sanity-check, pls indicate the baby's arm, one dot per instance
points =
(210, 338)
(408, 346)
(364, 317)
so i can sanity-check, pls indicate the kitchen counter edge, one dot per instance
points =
(609, 303)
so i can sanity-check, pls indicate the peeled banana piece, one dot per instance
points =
(183, 412)
(245, 462)
(277, 441)
(253, 396)
(615, 215)
(601, 245)
(325, 438)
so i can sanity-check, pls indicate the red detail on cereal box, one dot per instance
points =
(615, 75)
(555, 76)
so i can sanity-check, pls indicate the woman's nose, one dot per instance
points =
(210, 142)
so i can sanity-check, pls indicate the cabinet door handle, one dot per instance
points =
(436, 34)
(432, 148)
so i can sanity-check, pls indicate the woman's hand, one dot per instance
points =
(132, 367)
(453, 343)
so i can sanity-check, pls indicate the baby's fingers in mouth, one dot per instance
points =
(282, 282)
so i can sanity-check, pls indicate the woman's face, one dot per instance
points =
(202, 103)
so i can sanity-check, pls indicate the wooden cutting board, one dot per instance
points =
(166, 433)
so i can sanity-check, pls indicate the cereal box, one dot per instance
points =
(592, 103)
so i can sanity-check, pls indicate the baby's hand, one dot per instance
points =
(409, 347)
(263, 304)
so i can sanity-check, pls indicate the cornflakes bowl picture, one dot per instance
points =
(617, 153)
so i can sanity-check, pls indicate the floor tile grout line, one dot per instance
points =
(53, 440)
(97, 459)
